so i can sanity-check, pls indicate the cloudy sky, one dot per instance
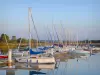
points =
(80, 17)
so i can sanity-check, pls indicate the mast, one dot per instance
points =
(35, 30)
(77, 39)
(53, 34)
(69, 38)
(47, 35)
(29, 11)
(56, 35)
(50, 35)
(63, 30)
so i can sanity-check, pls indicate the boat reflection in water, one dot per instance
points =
(35, 72)
(34, 66)
(31, 68)
(10, 72)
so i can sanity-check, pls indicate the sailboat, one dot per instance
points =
(35, 56)
(18, 53)
(78, 49)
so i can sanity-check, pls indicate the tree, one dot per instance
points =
(18, 40)
(13, 40)
(4, 37)
(23, 40)
(33, 40)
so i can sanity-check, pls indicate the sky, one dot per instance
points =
(78, 17)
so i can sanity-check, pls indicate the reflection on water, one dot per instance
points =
(88, 66)
(10, 72)
(35, 72)
(34, 66)
(27, 69)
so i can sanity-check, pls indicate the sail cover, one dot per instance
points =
(46, 48)
(35, 52)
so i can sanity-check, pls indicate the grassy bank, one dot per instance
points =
(4, 47)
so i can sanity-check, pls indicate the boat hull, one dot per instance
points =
(3, 56)
(97, 48)
(81, 51)
(46, 60)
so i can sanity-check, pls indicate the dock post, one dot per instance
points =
(10, 58)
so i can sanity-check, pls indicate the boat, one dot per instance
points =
(35, 56)
(37, 59)
(81, 51)
(17, 53)
(20, 52)
(96, 48)
(78, 49)
(3, 56)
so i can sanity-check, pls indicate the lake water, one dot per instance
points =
(82, 66)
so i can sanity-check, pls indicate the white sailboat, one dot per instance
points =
(96, 48)
(78, 49)
(17, 53)
(35, 58)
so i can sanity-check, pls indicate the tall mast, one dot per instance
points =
(69, 37)
(56, 34)
(47, 35)
(77, 39)
(51, 41)
(63, 30)
(29, 10)
(35, 29)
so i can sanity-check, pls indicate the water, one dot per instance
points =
(89, 66)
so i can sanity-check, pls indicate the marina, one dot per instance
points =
(49, 37)
(71, 66)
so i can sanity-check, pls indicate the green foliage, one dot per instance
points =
(33, 40)
(13, 40)
(18, 40)
(23, 40)
(4, 37)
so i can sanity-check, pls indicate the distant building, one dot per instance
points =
(13, 37)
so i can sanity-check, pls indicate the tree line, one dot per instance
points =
(5, 38)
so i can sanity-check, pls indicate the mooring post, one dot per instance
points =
(10, 58)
